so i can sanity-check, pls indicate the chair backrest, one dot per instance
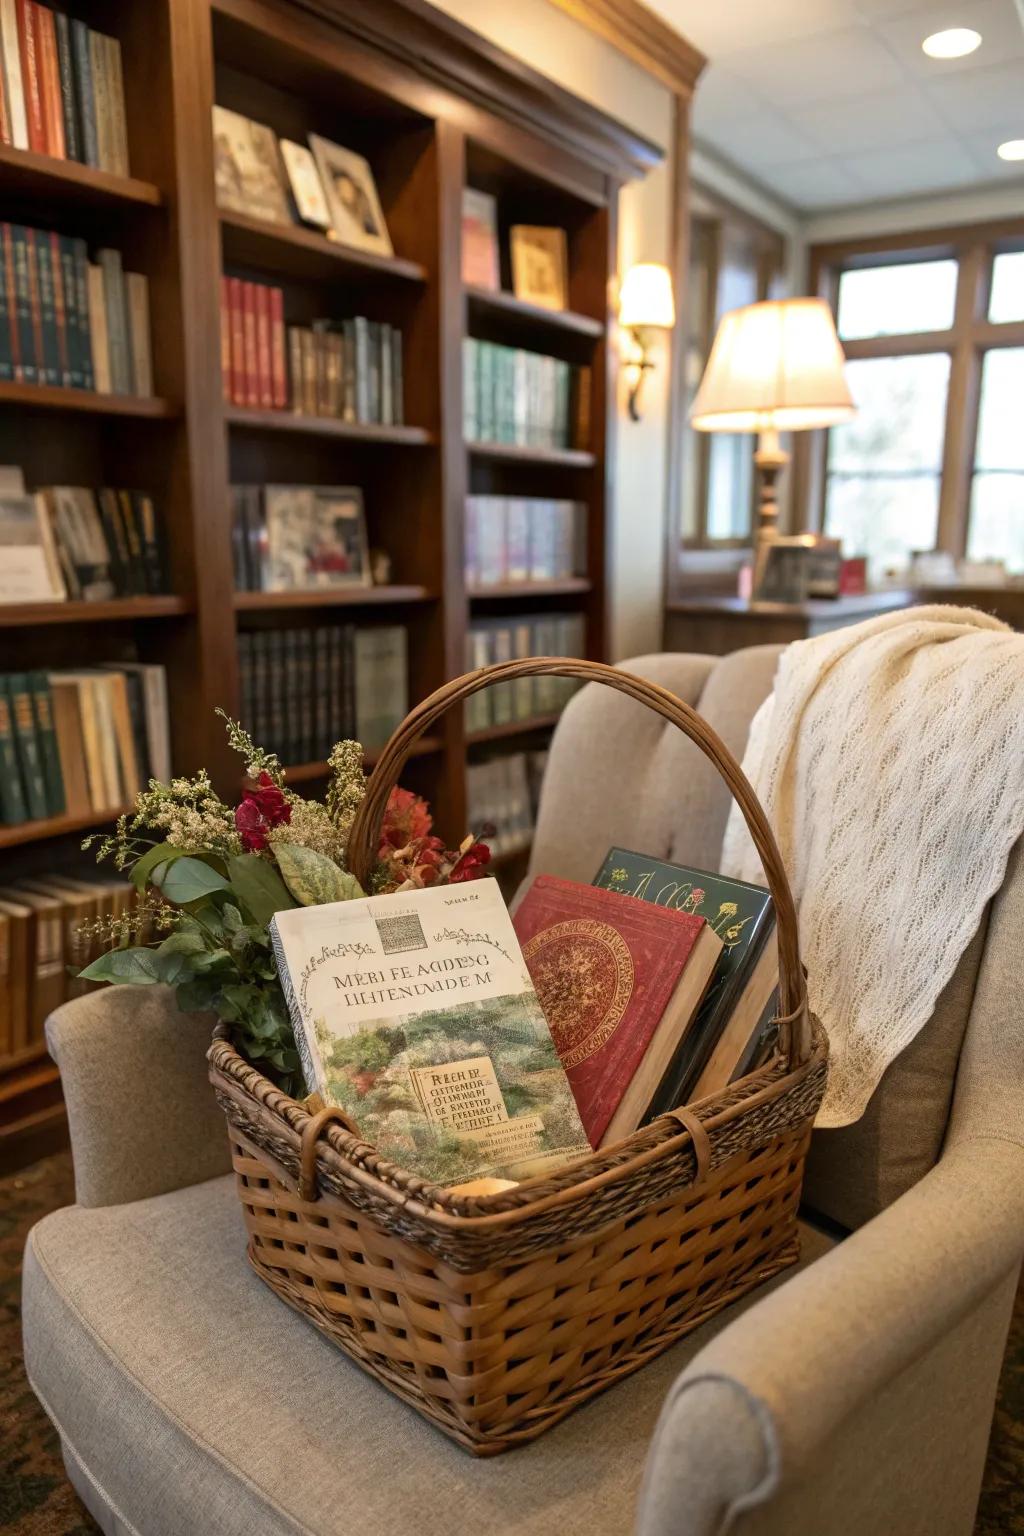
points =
(617, 774)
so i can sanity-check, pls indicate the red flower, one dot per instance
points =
(262, 807)
(406, 820)
(472, 863)
(252, 827)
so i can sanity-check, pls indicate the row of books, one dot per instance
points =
(61, 87)
(305, 689)
(348, 369)
(252, 345)
(289, 538)
(493, 640)
(503, 794)
(44, 940)
(78, 742)
(523, 538)
(68, 541)
(694, 977)
(67, 321)
(524, 398)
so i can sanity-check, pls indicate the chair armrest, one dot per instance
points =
(747, 1418)
(141, 1111)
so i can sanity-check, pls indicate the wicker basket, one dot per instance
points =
(496, 1316)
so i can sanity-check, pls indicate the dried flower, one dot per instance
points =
(257, 762)
(471, 864)
(347, 785)
(309, 825)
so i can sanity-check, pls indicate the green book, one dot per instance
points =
(745, 977)
(26, 741)
(46, 736)
(13, 808)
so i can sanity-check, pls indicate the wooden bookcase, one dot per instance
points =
(434, 108)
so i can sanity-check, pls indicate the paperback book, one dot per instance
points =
(415, 1014)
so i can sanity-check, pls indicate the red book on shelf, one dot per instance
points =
(264, 365)
(28, 48)
(620, 981)
(251, 346)
(278, 366)
(49, 80)
(225, 340)
(237, 310)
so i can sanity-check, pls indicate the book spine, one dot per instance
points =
(7, 311)
(11, 289)
(101, 100)
(295, 367)
(276, 686)
(69, 106)
(152, 544)
(51, 369)
(47, 739)
(84, 313)
(28, 371)
(12, 74)
(84, 93)
(258, 727)
(28, 50)
(387, 388)
(35, 305)
(308, 373)
(322, 742)
(59, 309)
(133, 538)
(13, 807)
(118, 122)
(27, 745)
(137, 293)
(113, 533)
(397, 380)
(337, 721)
(77, 333)
(264, 364)
(225, 339)
(470, 370)
(348, 370)
(292, 722)
(307, 719)
(237, 314)
(374, 403)
(117, 321)
(362, 363)
(6, 132)
(278, 369)
(252, 360)
(49, 80)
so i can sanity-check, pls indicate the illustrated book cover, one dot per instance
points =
(415, 1014)
(620, 982)
(247, 168)
(480, 265)
(316, 537)
(356, 214)
(746, 976)
(540, 266)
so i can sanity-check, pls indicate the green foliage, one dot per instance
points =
(312, 878)
(187, 879)
(258, 887)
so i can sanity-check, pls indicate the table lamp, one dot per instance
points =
(775, 367)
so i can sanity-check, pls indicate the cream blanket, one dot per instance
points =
(890, 762)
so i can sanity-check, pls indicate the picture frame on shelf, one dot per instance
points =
(316, 538)
(247, 168)
(306, 187)
(356, 215)
(540, 265)
(481, 267)
(784, 576)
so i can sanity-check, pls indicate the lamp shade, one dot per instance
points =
(645, 297)
(776, 366)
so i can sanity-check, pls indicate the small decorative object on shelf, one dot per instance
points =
(540, 266)
(481, 267)
(351, 192)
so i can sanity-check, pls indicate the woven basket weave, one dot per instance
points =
(496, 1316)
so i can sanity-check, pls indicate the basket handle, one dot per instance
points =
(364, 837)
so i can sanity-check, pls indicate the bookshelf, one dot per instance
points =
(434, 109)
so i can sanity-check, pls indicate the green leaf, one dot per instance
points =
(121, 966)
(188, 879)
(313, 878)
(196, 995)
(258, 887)
(184, 941)
(145, 868)
(233, 920)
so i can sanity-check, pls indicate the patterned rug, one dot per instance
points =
(37, 1500)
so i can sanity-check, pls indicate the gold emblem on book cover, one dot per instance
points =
(583, 973)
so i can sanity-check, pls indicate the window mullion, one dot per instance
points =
(962, 402)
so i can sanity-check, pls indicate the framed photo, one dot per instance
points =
(351, 192)
(784, 578)
(824, 564)
(247, 168)
(540, 266)
(307, 188)
(316, 537)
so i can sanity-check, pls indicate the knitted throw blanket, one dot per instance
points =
(890, 762)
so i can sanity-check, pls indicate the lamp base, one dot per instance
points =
(770, 460)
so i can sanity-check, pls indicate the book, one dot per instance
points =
(316, 537)
(67, 726)
(115, 307)
(29, 566)
(20, 970)
(14, 94)
(49, 80)
(480, 240)
(415, 1013)
(42, 705)
(306, 187)
(68, 95)
(118, 123)
(99, 338)
(140, 354)
(380, 670)
(13, 806)
(28, 52)
(42, 915)
(746, 976)
(247, 171)
(620, 983)
(26, 743)
(540, 265)
(99, 69)
(351, 192)
(84, 92)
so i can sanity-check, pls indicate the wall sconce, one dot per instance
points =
(645, 305)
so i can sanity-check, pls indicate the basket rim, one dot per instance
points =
(356, 1159)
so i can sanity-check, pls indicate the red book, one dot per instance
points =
(237, 310)
(49, 80)
(225, 340)
(620, 981)
(278, 367)
(264, 367)
(251, 346)
(28, 48)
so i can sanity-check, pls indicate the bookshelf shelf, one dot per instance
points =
(326, 426)
(339, 597)
(55, 826)
(570, 586)
(510, 728)
(52, 397)
(24, 173)
(290, 251)
(514, 453)
(121, 610)
(425, 747)
(486, 301)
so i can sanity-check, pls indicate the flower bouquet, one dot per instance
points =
(210, 876)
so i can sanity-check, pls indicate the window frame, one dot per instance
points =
(969, 338)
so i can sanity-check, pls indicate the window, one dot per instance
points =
(927, 333)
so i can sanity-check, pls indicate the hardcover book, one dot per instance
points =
(247, 169)
(480, 240)
(731, 1016)
(415, 1014)
(316, 537)
(620, 983)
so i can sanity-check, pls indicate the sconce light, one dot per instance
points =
(645, 305)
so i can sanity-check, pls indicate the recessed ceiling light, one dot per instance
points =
(1013, 149)
(953, 43)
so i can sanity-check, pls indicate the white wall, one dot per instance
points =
(574, 57)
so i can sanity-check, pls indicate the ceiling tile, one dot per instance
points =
(818, 68)
(974, 99)
(983, 146)
(1002, 36)
(813, 184)
(725, 28)
(759, 139)
(720, 97)
(904, 170)
(856, 123)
